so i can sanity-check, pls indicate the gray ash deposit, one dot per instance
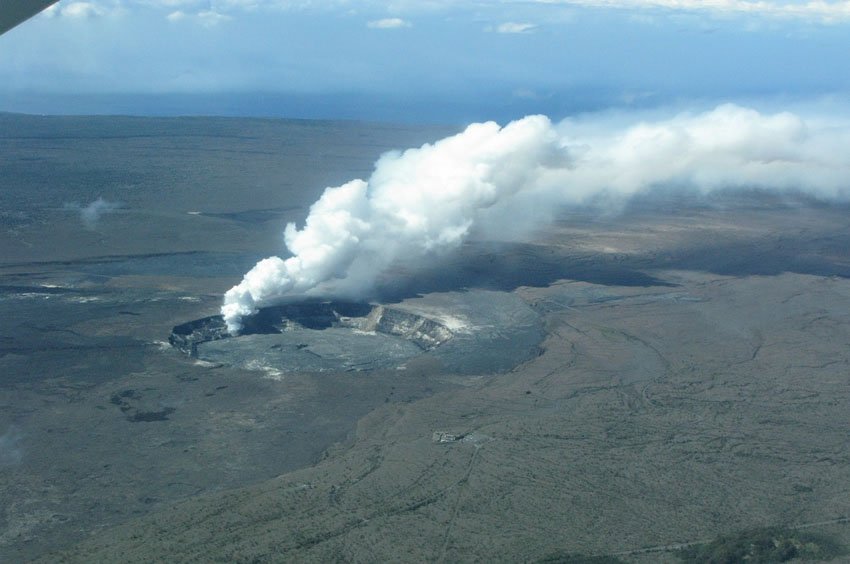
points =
(468, 332)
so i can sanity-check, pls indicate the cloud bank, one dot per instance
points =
(207, 18)
(815, 10)
(508, 179)
(822, 10)
(514, 27)
(73, 10)
(388, 23)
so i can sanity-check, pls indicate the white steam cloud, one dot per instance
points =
(91, 213)
(507, 179)
(10, 451)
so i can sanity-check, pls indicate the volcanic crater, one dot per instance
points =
(460, 330)
(318, 335)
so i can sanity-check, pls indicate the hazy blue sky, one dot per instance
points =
(425, 60)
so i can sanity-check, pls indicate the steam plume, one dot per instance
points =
(10, 452)
(510, 178)
(90, 214)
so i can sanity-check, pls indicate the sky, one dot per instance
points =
(435, 61)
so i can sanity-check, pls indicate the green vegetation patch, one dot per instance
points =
(763, 546)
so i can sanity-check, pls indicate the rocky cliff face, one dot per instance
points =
(426, 333)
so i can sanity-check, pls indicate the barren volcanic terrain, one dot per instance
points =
(613, 385)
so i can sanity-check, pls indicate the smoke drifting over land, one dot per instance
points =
(510, 179)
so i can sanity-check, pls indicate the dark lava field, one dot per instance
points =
(621, 386)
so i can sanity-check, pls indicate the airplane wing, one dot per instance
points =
(13, 12)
